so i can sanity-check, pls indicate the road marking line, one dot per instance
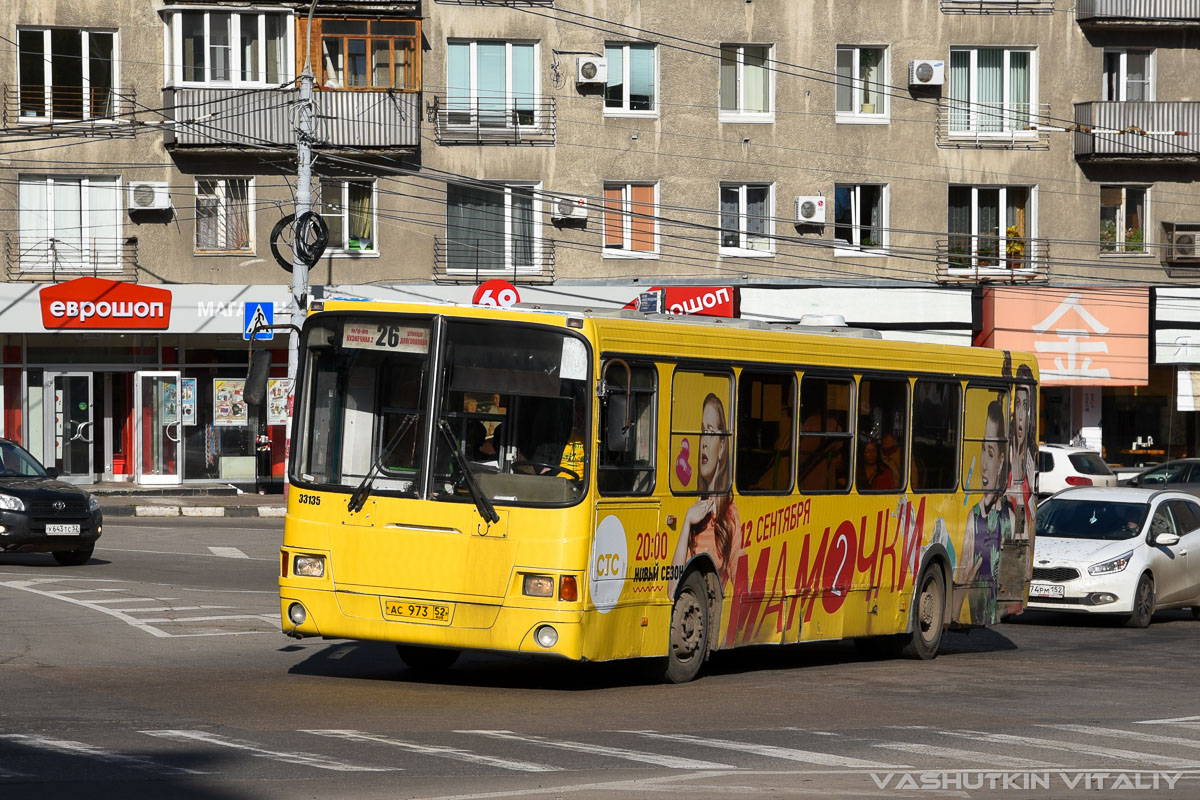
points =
(302, 759)
(964, 755)
(621, 788)
(670, 762)
(159, 620)
(1075, 747)
(227, 552)
(436, 750)
(1136, 736)
(95, 753)
(772, 751)
(174, 608)
(172, 553)
(1190, 722)
(87, 591)
(134, 600)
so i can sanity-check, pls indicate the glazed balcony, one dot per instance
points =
(1138, 13)
(1137, 130)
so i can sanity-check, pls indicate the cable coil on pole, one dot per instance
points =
(310, 237)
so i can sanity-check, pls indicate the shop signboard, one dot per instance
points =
(101, 304)
(703, 301)
(229, 407)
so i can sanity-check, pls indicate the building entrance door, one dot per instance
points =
(158, 449)
(68, 425)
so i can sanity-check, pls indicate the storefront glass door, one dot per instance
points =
(69, 425)
(159, 449)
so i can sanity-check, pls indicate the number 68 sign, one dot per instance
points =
(496, 293)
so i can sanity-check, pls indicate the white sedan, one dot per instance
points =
(1123, 551)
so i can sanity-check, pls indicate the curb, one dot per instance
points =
(164, 512)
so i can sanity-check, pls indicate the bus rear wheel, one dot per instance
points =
(427, 659)
(690, 629)
(929, 616)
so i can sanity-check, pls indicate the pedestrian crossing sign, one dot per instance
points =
(257, 315)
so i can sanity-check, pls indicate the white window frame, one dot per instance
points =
(740, 114)
(856, 116)
(624, 110)
(1002, 240)
(973, 110)
(855, 248)
(86, 232)
(539, 255)
(1123, 72)
(222, 182)
(509, 100)
(85, 59)
(741, 251)
(626, 251)
(343, 249)
(1119, 244)
(174, 33)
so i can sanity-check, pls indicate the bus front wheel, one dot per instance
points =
(427, 659)
(690, 629)
(929, 616)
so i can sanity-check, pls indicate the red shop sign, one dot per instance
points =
(705, 301)
(101, 304)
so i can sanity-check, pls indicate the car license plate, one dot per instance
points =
(1045, 590)
(58, 529)
(412, 611)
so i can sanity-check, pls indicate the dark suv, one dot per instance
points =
(39, 514)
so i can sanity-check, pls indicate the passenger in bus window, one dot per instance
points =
(990, 521)
(889, 453)
(874, 474)
(1024, 446)
(712, 525)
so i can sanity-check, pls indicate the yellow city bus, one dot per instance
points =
(602, 485)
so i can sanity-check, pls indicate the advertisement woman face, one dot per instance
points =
(712, 446)
(991, 458)
(1021, 416)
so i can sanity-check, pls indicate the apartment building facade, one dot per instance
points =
(1010, 173)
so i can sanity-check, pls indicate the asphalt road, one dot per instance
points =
(158, 670)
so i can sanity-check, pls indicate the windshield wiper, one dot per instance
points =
(359, 498)
(482, 504)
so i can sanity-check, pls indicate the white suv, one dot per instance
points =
(1060, 466)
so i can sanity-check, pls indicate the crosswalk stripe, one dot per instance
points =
(670, 762)
(112, 600)
(298, 758)
(772, 751)
(159, 620)
(227, 552)
(1074, 747)
(74, 748)
(1136, 736)
(455, 753)
(992, 759)
(1171, 721)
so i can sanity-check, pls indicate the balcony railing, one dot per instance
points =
(522, 122)
(992, 259)
(477, 260)
(993, 126)
(997, 6)
(60, 107)
(229, 116)
(1138, 130)
(1138, 12)
(32, 259)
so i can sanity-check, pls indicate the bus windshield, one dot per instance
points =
(513, 400)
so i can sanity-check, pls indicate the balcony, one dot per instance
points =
(477, 261)
(51, 260)
(493, 122)
(997, 6)
(984, 127)
(992, 259)
(1133, 131)
(1138, 13)
(61, 109)
(235, 117)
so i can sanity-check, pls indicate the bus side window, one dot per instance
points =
(882, 434)
(764, 432)
(823, 461)
(626, 462)
(937, 410)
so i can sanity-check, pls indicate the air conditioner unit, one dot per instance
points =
(926, 73)
(810, 210)
(568, 208)
(149, 196)
(591, 69)
(1183, 244)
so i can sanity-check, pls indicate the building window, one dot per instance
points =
(368, 54)
(990, 227)
(747, 83)
(862, 91)
(747, 227)
(1122, 219)
(991, 92)
(860, 216)
(630, 219)
(66, 74)
(348, 207)
(632, 79)
(492, 84)
(231, 48)
(1128, 75)
(69, 223)
(494, 228)
(224, 215)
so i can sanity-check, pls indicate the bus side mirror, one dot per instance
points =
(616, 433)
(255, 392)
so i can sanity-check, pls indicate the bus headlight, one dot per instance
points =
(538, 586)
(546, 636)
(309, 566)
(297, 614)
